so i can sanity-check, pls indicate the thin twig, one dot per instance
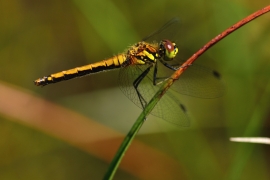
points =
(135, 128)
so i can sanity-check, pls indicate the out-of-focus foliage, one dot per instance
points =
(42, 37)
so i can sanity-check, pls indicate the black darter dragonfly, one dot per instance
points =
(144, 66)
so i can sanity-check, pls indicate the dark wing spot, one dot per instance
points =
(216, 74)
(183, 108)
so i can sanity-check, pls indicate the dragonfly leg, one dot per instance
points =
(155, 78)
(185, 66)
(162, 79)
(136, 84)
(172, 67)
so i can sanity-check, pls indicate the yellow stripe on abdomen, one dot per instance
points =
(108, 64)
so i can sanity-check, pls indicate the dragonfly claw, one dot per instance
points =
(185, 66)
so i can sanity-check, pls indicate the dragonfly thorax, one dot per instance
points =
(148, 53)
(143, 53)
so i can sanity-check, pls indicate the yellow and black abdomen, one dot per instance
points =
(108, 64)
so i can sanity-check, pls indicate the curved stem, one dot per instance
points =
(166, 85)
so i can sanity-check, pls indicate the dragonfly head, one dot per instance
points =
(168, 49)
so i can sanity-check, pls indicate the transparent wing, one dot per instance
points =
(167, 108)
(167, 31)
(196, 81)
(199, 81)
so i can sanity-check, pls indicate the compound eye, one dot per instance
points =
(170, 49)
(169, 46)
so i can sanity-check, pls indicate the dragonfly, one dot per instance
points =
(144, 66)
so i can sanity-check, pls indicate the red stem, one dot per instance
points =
(218, 38)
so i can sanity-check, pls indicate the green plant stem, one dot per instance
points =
(128, 139)
(123, 148)
(166, 85)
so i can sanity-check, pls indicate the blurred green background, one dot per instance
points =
(42, 37)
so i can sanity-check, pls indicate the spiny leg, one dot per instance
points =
(155, 78)
(172, 67)
(159, 80)
(136, 84)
